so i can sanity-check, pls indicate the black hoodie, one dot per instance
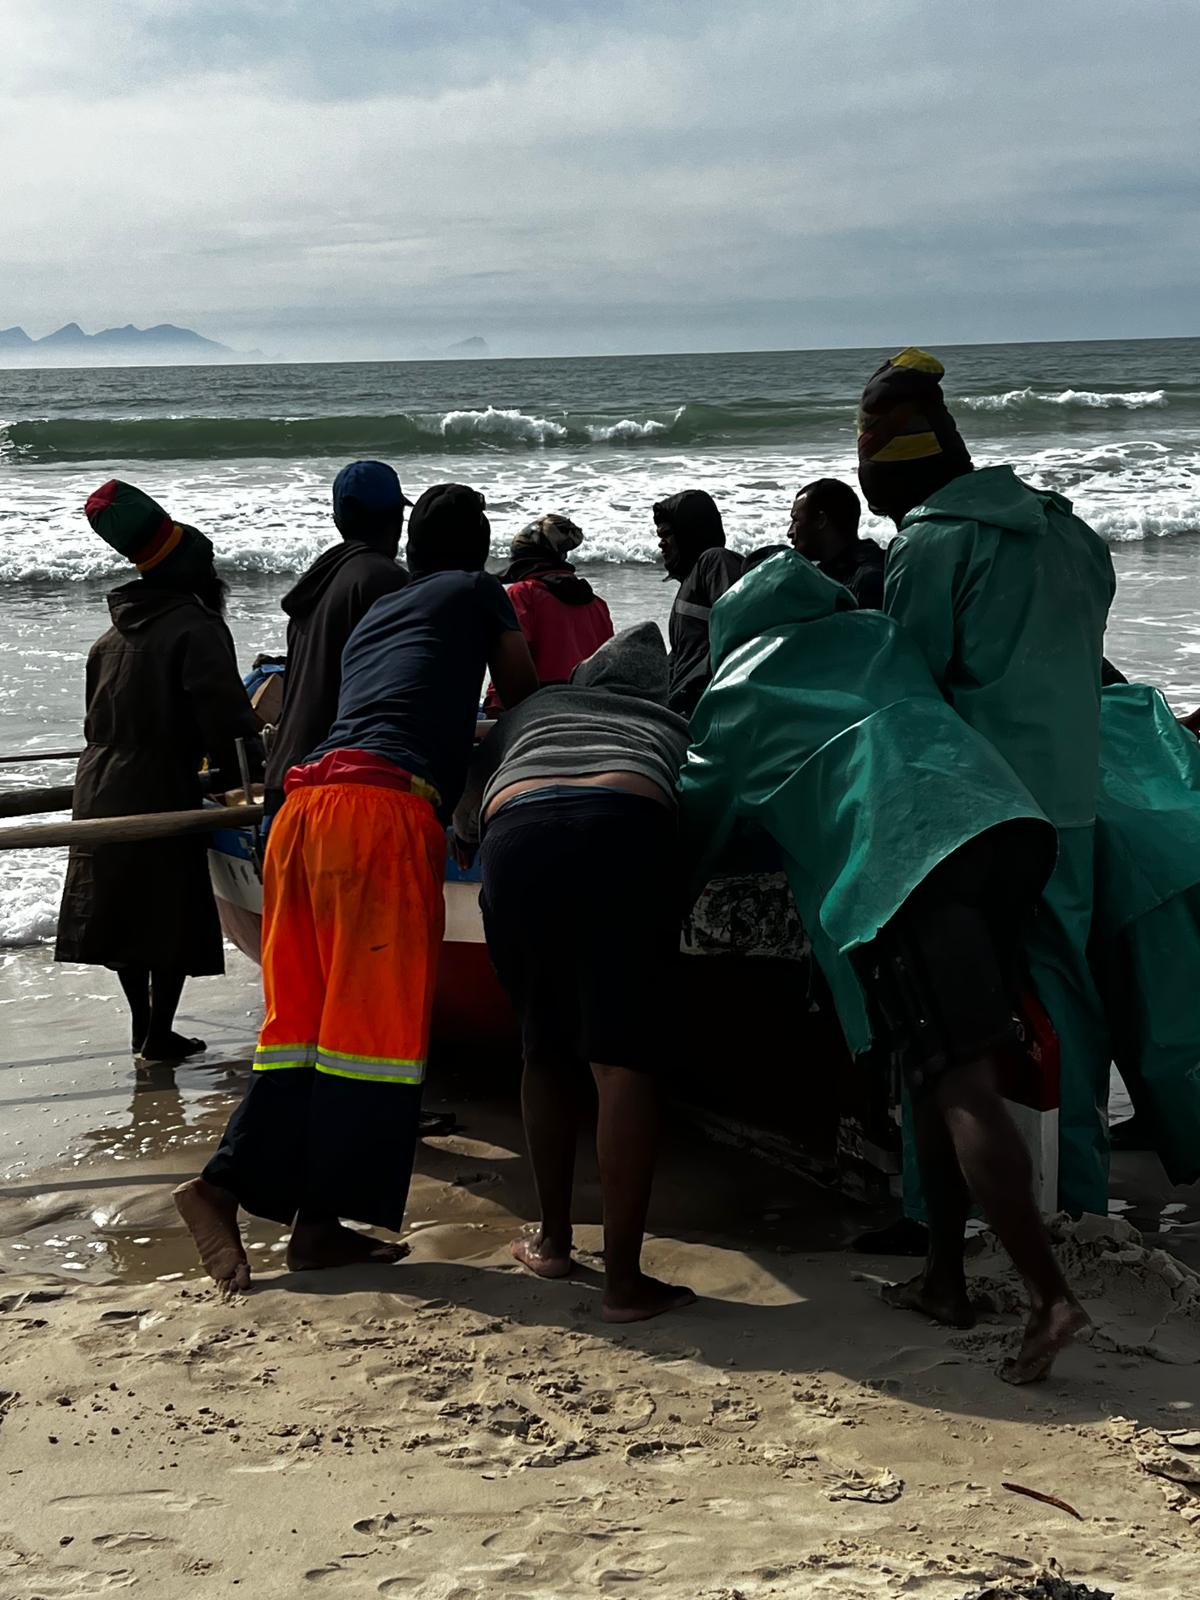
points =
(323, 610)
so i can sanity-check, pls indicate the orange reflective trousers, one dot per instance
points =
(353, 916)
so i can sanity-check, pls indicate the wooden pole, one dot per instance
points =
(88, 831)
(29, 758)
(26, 802)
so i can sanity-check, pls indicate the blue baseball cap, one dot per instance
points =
(372, 484)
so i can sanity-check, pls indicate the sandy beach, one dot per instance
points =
(450, 1427)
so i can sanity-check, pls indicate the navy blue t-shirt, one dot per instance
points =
(412, 673)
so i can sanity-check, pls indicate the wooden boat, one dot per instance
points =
(469, 1005)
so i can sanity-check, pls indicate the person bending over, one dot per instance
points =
(1006, 592)
(691, 538)
(581, 910)
(326, 606)
(163, 692)
(353, 913)
(824, 527)
(913, 851)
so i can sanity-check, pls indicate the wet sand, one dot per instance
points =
(451, 1427)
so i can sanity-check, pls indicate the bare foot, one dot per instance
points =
(1046, 1333)
(315, 1247)
(540, 1255)
(210, 1215)
(644, 1298)
(951, 1306)
(174, 1047)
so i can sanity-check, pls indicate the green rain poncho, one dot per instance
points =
(1006, 593)
(1146, 927)
(823, 726)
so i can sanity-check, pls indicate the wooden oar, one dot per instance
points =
(26, 802)
(88, 831)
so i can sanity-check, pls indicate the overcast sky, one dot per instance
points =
(354, 177)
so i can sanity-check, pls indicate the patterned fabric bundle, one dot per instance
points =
(908, 444)
(551, 535)
(139, 529)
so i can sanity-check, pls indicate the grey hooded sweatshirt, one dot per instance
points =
(611, 717)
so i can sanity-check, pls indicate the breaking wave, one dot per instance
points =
(1082, 399)
(393, 435)
(389, 435)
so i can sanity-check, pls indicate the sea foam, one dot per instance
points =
(1086, 399)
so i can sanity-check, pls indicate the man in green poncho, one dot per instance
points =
(1006, 594)
(913, 851)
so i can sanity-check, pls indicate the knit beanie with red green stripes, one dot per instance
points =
(139, 529)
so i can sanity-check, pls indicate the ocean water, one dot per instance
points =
(248, 453)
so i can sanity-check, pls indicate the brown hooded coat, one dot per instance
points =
(163, 692)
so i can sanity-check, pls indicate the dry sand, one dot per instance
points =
(450, 1427)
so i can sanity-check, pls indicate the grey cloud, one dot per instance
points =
(599, 176)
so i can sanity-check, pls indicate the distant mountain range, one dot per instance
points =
(473, 349)
(167, 345)
(69, 346)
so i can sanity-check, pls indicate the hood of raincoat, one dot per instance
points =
(138, 605)
(784, 589)
(994, 495)
(633, 662)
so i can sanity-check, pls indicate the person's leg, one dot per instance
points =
(135, 985)
(550, 1112)
(259, 1163)
(161, 1042)
(996, 1165)
(530, 866)
(1056, 945)
(627, 965)
(376, 862)
(626, 1146)
(948, 975)
(940, 1289)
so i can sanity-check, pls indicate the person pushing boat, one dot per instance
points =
(353, 914)
(581, 908)
(913, 851)
(1006, 594)
(326, 606)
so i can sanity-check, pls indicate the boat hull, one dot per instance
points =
(757, 1051)
(469, 1005)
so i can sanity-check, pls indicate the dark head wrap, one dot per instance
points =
(448, 531)
(695, 524)
(908, 444)
(139, 529)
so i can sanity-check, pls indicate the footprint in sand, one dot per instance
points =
(167, 1499)
(333, 1575)
(70, 1583)
(397, 1530)
(134, 1539)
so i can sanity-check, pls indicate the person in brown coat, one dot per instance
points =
(163, 692)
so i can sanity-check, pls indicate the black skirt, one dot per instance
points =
(141, 905)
